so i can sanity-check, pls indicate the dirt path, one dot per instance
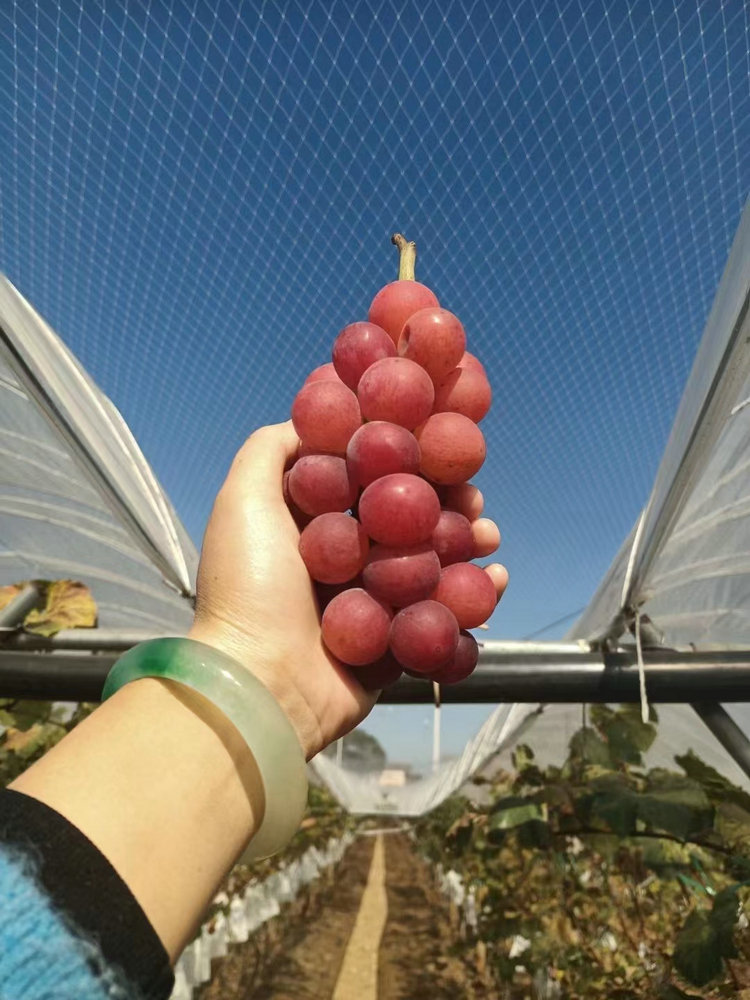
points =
(377, 929)
(298, 955)
(359, 971)
(415, 958)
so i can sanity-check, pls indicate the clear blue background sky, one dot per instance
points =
(199, 196)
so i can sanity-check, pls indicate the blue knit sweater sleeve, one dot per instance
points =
(41, 956)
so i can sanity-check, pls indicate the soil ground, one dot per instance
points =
(415, 959)
(301, 954)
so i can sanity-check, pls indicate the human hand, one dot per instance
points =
(256, 602)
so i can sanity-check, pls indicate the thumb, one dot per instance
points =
(258, 467)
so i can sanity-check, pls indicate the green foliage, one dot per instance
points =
(31, 729)
(587, 747)
(628, 882)
(696, 954)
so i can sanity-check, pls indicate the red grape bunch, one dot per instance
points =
(388, 439)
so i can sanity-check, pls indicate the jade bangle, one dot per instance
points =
(254, 711)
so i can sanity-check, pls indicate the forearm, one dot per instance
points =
(166, 788)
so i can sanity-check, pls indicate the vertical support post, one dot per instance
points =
(726, 731)
(340, 752)
(436, 728)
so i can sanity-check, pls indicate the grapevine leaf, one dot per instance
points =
(739, 867)
(622, 747)
(534, 833)
(716, 786)
(522, 756)
(628, 738)
(617, 808)
(726, 910)
(26, 713)
(696, 954)
(517, 815)
(732, 823)
(675, 804)
(68, 604)
(586, 745)
(601, 716)
(671, 817)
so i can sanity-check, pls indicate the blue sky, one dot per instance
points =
(198, 197)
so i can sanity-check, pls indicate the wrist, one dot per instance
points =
(249, 706)
(166, 788)
(271, 671)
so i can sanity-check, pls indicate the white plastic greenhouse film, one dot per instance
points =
(96, 436)
(703, 482)
(362, 793)
(58, 515)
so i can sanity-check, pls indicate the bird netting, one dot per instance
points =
(197, 197)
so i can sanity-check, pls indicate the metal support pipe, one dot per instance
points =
(508, 672)
(671, 676)
(84, 639)
(13, 614)
(54, 676)
(726, 731)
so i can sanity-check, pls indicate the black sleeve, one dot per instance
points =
(82, 883)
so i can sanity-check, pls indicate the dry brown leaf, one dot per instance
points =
(68, 604)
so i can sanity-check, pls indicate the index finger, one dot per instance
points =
(465, 499)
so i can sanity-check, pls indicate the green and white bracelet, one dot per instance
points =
(254, 711)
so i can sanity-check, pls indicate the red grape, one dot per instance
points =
(323, 373)
(379, 449)
(397, 390)
(396, 302)
(399, 510)
(300, 517)
(378, 675)
(424, 636)
(325, 414)
(473, 363)
(358, 346)
(388, 431)
(325, 592)
(355, 627)
(463, 390)
(401, 576)
(463, 663)
(452, 538)
(334, 547)
(320, 483)
(469, 593)
(435, 339)
(453, 448)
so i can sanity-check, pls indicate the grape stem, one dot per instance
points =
(408, 257)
